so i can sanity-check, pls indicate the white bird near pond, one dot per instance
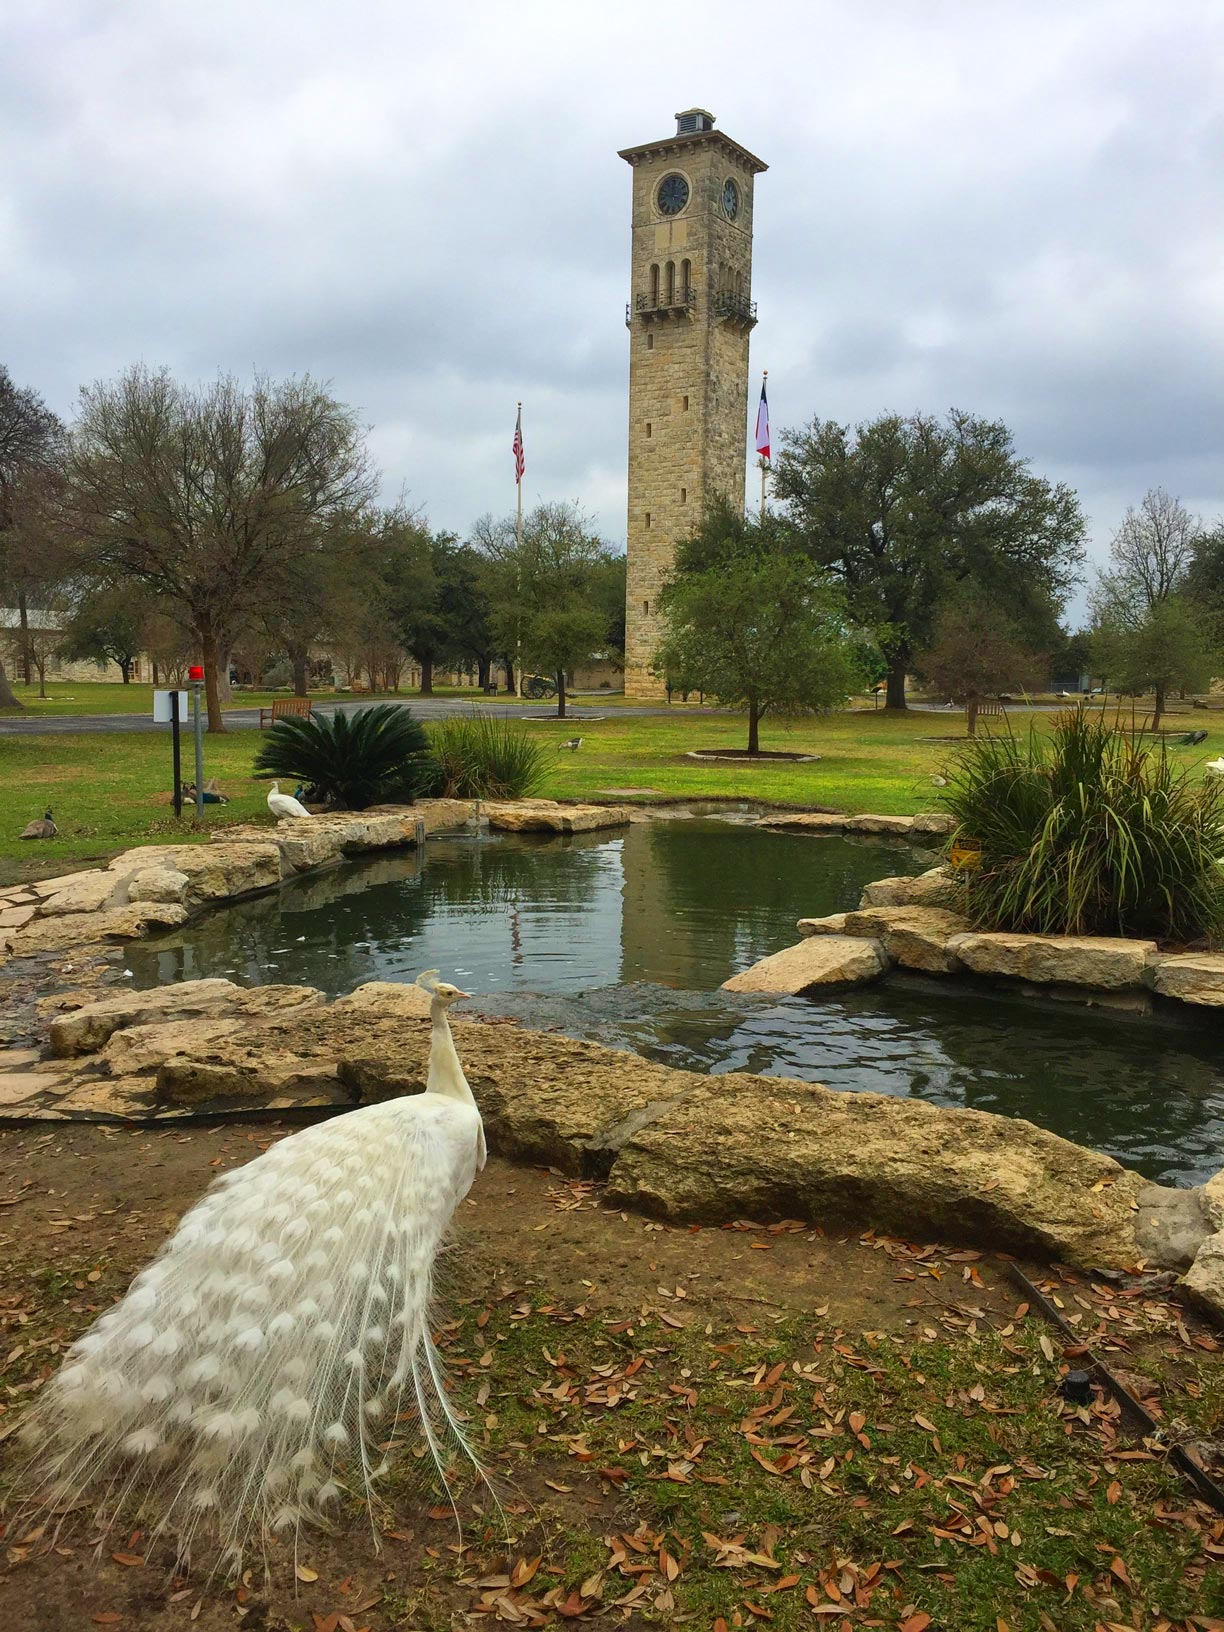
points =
(259, 1365)
(1215, 767)
(284, 804)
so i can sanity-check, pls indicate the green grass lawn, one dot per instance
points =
(102, 697)
(112, 791)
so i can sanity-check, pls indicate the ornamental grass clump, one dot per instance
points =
(1086, 832)
(480, 757)
(350, 760)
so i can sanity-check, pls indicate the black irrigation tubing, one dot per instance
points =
(1204, 1485)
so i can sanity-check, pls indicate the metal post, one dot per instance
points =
(199, 750)
(178, 757)
(518, 552)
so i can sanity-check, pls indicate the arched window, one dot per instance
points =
(686, 280)
(654, 284)
(671, 283)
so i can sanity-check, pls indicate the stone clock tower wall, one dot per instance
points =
(689, 316)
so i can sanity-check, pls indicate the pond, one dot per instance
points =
(625, 937)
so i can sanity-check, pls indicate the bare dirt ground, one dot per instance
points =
(716, 1427)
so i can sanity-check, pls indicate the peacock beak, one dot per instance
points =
(458, 995)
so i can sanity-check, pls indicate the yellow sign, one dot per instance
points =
(965, 854)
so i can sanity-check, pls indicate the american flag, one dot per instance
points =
(520, 464)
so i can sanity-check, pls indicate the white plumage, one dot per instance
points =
(284, 804)
(256, 1367)
(1215, 767)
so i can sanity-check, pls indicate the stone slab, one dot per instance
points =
(1192, 977)
(833, 924)
(915, 937)
(815, 962)
(1104, 962)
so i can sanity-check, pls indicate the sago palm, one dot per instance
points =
(350, 760)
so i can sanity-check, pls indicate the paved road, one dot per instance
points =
(246, 719)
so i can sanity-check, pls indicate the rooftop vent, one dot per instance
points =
(693, 120)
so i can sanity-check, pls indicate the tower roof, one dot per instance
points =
(694, 128)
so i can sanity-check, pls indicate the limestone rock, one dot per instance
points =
(248, 1073)
(1204, 1280)
(547, 816)
(1106, 962)
(386, 999)
(886, 892)
(915, 937)
(305, 845)
(133, 922)
(902, 826)
(834, 924)
(932, 824)
(816, 961)
(85, 892)
(217, 872)
(439, 815)
(44, 888)
(164, 884)
(1213, 1197)
(144, 1046)
(16, 917)
(1172, 1224)
(1193, 977)
(85, 1030)
(759, 1147)
(804, 821)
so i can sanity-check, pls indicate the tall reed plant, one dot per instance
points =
(1088, 832)
(479, 756)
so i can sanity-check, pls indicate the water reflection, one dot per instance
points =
(625, 940)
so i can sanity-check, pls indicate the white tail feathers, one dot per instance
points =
(256, 1368)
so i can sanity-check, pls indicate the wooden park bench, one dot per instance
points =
(285, 708)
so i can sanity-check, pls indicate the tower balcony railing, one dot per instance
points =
(649, 306)
(735, 307)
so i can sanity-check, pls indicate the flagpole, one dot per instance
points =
(518, 555)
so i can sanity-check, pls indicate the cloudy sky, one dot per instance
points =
(1011, 206)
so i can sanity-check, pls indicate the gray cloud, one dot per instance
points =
(1013, 210)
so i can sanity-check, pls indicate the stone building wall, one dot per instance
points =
(688, 364)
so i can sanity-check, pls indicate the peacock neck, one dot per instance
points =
(445, 1072)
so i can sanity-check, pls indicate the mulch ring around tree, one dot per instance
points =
(740, 756)
(747, 1427)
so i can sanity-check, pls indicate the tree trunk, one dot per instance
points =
(754, 727)
(894, 696)
(427, 677)
(125, 669)
(7, 698)
(483, 665)
(297, 656)
(212, 690)
(24, 620)
(154, 661)
(1160, 706)
(971, 714)
(42, 680)
(510, 686)
(560, 694)
(224, 689)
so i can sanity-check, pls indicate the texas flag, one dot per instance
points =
(762, 430)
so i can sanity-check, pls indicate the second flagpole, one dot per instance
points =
(518, 556)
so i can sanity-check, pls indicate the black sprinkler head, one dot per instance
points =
(1076, 1387)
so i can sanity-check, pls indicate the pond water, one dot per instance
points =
(624, 938)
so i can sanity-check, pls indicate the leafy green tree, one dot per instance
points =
(1167, 647)
(107, 625)
(753, 623)
(904, 509)
(1204, 580)
(558, 598)
(1149, 633)
(352, 760)
(975, 655)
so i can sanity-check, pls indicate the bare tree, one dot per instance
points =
(1150, 553)
(31, 442)
(203, 494)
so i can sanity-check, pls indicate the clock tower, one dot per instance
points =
(689, 316)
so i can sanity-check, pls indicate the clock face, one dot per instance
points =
(673, 195)
(730, 200)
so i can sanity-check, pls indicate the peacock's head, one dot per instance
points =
(440, 990)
